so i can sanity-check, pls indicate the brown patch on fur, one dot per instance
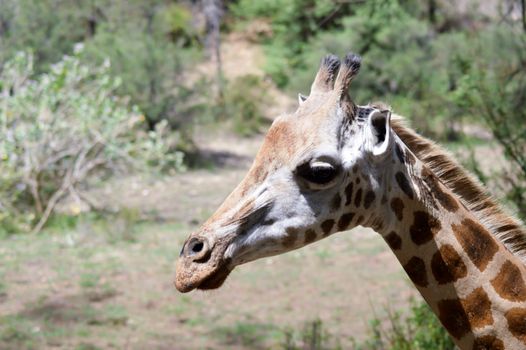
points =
(478, 308)
(404, 185)
(344, 221)
(336, 201)
(327, 226)
(488, 342)
(397, 205)
(509, 283)
(424, 227)
(368, 199)
(447, 265)
(393, 240)
(348, 193)
(479, 245)
(453, 317)
(358, 198)
(290, 239)
(447, 202)
(462, 184)
(310, 236)
(516, 318)
(416, 270)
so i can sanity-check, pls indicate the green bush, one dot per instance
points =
(244, 99)
(149, 44)
(419, 330)
(493, 88)
(63, 130)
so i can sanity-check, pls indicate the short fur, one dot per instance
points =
(469, 190)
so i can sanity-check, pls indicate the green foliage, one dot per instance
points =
(16, 333)
(148, 43)
(150, 65)
(61, 129)
(493, 88)
(313, 336)
(244, 100)
(420, 330)
(293, 24)
(49, 28)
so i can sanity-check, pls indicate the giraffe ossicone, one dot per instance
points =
(333, 165)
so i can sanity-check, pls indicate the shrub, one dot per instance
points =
(60, 131)
(420, 330)
(244, 99)
(493, 87)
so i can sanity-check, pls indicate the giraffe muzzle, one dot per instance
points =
(201, 265)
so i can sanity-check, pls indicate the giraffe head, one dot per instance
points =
(299, 187)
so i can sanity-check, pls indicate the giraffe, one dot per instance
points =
(333, 165)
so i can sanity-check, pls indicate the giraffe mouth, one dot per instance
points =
(188, 280)
(216, 279)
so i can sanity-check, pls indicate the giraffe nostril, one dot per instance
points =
(197, 249)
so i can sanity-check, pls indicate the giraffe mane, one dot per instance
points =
(466, 187)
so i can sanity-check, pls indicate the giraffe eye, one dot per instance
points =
(319, 173)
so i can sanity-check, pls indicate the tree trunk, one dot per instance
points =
(213, 12)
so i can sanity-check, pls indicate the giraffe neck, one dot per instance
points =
(471, 281)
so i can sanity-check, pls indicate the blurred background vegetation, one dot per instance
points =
(92, 91)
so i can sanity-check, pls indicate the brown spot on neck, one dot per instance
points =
(447, 265)
(368, 199)
(290, 239)
(416, 270)
(488, 342)
(358, 198)
(478, 308)
(478, 243)
(453, 317)
(345, 221)
(509, 283)
(424, 227)
(461, 316)
(393, 240)
(310, 236)
(516, 318)
(327, 226)
(336, 202)
(397, 206)
(348, 193)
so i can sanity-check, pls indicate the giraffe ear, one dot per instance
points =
(301, 98)
(379, 131)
